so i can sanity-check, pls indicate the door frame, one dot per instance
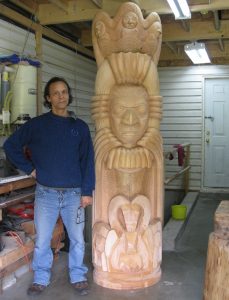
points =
(202, 187)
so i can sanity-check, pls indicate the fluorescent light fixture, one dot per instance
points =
(197, 53)
(180, 9)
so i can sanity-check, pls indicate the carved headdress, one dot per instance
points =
(128, 31)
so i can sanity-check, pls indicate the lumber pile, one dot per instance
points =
(18, 253)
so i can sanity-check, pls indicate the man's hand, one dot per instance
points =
(85, 201)
(33, 174)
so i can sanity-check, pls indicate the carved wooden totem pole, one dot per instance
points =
(128, 204)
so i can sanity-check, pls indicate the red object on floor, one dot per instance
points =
(25, 211)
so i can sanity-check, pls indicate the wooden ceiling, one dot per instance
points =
(69, 22)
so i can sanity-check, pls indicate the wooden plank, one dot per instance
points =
(16, 199)
(60, 4)
(16, 265)
(13, 15)
(8, 258)
(15, 185)
(187, 165)
(176, 175)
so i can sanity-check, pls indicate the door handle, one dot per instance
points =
(209, 117)
(207, 138)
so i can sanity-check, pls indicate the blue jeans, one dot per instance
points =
(49, 204)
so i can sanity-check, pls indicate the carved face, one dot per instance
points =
(129, 113)
(130, 20)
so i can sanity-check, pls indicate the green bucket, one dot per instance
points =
(179, 212)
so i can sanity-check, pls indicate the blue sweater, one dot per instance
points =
(61, 152)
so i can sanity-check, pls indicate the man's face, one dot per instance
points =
(129, 114)
(58, 95)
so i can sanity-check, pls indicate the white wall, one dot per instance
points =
(183, 102)
(78, 70)
(16, 40)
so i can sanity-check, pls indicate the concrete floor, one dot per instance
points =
(182, 270)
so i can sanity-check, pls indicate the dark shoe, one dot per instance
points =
(35, 289)
(81, 287)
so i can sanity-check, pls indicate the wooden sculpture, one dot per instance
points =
(217, 265)
(128, 204)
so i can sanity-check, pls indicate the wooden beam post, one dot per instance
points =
(39, 53)
(98, 3)
(186, 164)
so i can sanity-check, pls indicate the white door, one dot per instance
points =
(216, 163)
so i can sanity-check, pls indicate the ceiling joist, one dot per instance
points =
(99, 3)
(216, 20)
(60, 4)
(173, 32)
(186, 25)
(11, 14)
(172, 47)
(221, 45)
(28, 5)
(71, 19)
(84, 10)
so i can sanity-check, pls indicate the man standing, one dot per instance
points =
(62, 161)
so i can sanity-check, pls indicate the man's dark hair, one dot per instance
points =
(46, 91)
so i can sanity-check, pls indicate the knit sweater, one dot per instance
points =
(61, 152)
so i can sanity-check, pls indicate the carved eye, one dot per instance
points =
(118, 109)
(141, 109)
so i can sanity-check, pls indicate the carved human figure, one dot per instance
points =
(127, 212)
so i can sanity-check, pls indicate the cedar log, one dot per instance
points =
(217, 268)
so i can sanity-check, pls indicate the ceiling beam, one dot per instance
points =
(11, 14)
(172, 47)
(212, 48)
(28, 5)
(173, 32)
(163, 8)
(198, 30)
(60, 4)
(216, 20)
(15, 16)
(221, 44)
(84, 10)
(98, 3)
(186, 25)
(78, 11)
(64, 41)
(70, 29)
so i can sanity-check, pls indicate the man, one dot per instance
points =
(62, 161)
